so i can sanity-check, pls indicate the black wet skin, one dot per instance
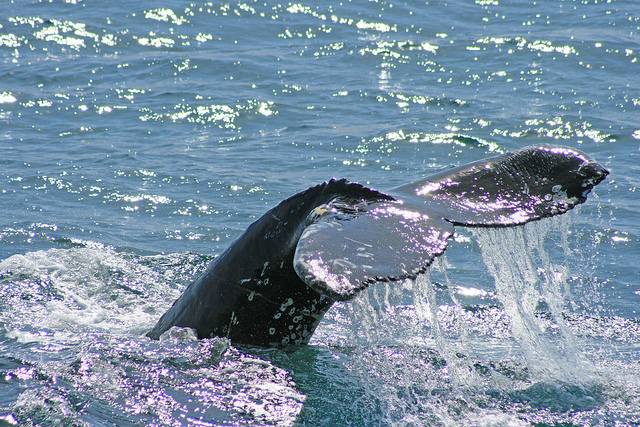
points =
(260, 292)
(251, 293)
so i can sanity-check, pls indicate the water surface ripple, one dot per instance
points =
(139, 139)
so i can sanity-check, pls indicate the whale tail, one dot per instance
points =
(512, 189)
(352, 242)
(275, 282)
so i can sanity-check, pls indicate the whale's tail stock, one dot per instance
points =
(275, 282)
(357, 243)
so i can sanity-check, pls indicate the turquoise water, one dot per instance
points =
(138, 140)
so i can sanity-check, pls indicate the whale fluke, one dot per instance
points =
(348, 248)
(272, 286)
(512, 189)
(251, 292)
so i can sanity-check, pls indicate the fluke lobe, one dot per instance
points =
(272, 286)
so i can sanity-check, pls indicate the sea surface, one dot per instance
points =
(139, 139)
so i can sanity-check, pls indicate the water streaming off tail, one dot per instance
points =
(393, 356)
(452, 350)
(375, 314)
(418, 341)
(408, 362)
(526, 280)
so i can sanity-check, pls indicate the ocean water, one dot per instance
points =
(138, 139)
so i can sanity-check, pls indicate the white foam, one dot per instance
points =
(82, 290)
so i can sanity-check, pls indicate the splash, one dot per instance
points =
(93, 288)
(414, 348)
(532, 288)
(405, 363)
(426, 308)
(414, 353)
(511, 256)
(73, 319)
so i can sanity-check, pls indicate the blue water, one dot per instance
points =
(137, 140)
